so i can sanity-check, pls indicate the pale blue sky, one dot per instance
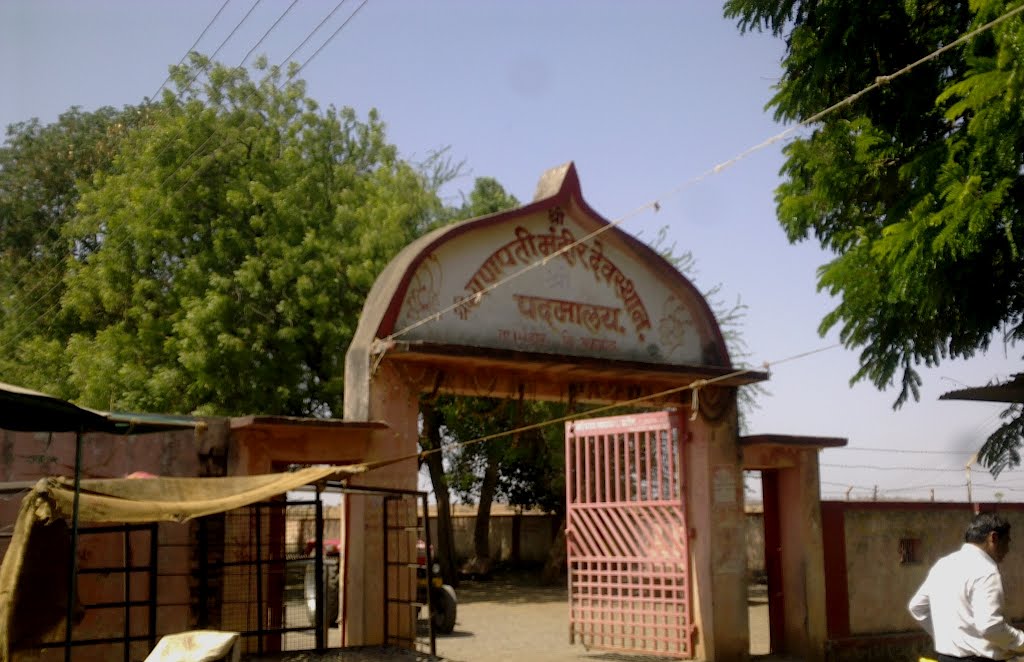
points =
(642, 95)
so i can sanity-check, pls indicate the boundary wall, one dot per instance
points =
(877, 553)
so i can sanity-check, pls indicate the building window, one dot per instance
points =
(910, 551)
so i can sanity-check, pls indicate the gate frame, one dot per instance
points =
(797, 608)
(647, 431)
(386, 371)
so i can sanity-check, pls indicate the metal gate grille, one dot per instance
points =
(629, 587)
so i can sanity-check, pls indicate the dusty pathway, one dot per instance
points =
(513, 619)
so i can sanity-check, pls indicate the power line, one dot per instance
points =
(881, 468)
(693, 386)
(269, 30)
(56, 306)
(965, 454)
(165, 81)
(317, 29)
(193, 79)
(193, 46)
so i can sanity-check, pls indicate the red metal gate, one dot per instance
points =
(629, 586)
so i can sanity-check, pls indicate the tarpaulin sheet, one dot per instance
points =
(32, 575)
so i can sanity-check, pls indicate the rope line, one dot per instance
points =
(695, 385)
(656, 204)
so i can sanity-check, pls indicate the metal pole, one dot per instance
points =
(259, 578)
(203, 617)
(967, 468)
(127, 594)
(387, 603)
(154, 572)
(321, 577)
(73, 564)
(430, 577)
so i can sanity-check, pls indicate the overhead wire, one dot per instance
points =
(910, 451)
(198, 73)
(200, 70)
(653, 204)
(193, 46)
(56, 306)
(889, 468)
(267, 33)
(656, 203)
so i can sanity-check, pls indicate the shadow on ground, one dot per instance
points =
(511, 586)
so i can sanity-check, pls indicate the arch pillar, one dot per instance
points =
(792, 509)
(382, 394)
(594, 315)
(717, 524)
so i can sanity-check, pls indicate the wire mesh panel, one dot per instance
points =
(116, 598)
(252, 582)
(629, 585)
(401, 532)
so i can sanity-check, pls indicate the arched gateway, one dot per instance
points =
(605, 320)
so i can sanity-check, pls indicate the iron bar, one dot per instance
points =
(259, 578)
(154, 564)
(73, 563)
(387, 606)
(203, 618)
(321, 577)
(430, 576)
(127, 593)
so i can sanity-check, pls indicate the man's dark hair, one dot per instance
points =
(985, 523)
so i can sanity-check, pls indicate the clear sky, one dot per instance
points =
(643, 96)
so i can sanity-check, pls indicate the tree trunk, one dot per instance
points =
(481, 563)
(444, 555)
(555, 564)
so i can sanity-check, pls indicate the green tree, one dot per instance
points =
(222, 258)
(42, 168)
(916, 188)
(525, 470)
(463, 419)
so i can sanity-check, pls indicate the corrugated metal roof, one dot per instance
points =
(31, 411)
(1011, 391)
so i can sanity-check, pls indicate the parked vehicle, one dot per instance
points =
(443, 600)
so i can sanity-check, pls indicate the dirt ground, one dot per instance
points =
(513, 618)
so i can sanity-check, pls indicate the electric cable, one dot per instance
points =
(200, 71)
(193, 46)
(56, 306)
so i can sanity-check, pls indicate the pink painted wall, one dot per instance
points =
(27, 456)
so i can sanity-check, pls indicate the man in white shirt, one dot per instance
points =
(960, 603)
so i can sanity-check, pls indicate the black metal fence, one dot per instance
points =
(117, 573)
(251, 583)
(244, 577)
(134, 576)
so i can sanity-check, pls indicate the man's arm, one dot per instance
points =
(987, 604)
(921, 609)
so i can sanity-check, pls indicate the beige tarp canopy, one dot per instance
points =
(32, 574)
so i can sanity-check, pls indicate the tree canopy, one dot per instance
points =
(213, 256)
(916, 188)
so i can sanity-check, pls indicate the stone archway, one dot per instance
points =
(600, 319)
